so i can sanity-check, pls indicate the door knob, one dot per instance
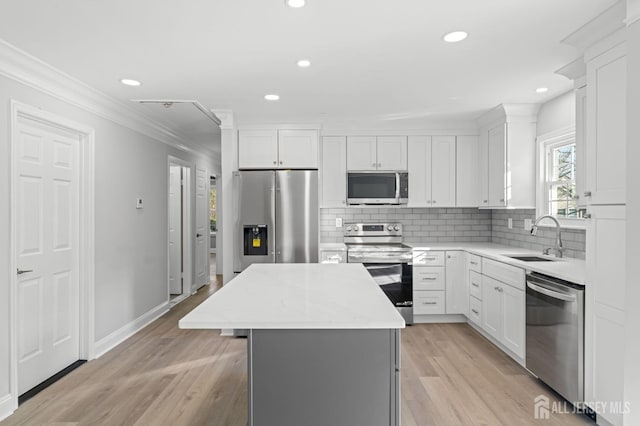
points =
(198, 235)
(23, 271)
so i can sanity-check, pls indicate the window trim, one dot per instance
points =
(545, 141)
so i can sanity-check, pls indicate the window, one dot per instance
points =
(557, 195)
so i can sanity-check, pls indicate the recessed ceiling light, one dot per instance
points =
(304, 63)
(455, 36)
(295, 3)
(271, 97)
(130, 82)
(542, 90)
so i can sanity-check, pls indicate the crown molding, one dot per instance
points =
(606, 23)
(633, 12)
(32, 72)
(509, 113)
(574, 70)
(226, 118)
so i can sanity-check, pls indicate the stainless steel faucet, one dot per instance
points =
(559, 248)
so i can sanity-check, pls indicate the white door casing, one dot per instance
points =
(175, 229)
(202, 227)
(46, 178)
(188, 236)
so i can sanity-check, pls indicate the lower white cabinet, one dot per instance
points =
(428, 302)
(457, 294)
(503, 314)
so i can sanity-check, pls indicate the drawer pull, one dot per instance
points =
(475, 312)
(473, 263)
(429, 303)
(475, 285)
(498, 289)
(429, 278)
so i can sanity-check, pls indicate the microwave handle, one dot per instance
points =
(397, 186)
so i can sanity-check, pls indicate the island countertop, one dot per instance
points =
(297, 296)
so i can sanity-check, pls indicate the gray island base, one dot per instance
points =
(324, 377)
(323, 347)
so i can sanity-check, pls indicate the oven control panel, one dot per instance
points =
(372, 229)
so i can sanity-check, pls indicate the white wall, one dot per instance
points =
(557, 113)
(632, 340)
(131, 245)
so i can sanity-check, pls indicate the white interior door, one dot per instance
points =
(47, 236)
(175, 230)
(202, 227)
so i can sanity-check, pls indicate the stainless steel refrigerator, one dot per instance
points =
(277, 217)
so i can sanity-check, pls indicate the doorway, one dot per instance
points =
(179, 214)
(52, 246)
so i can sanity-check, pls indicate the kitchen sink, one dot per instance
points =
(531, 258)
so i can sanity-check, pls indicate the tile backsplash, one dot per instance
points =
(419, 224)
(456, 224)
(572, 239)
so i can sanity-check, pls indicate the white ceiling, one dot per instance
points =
(373, 61)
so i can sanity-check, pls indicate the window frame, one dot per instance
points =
(545, 143)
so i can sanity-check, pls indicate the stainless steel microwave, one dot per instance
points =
(377, 188)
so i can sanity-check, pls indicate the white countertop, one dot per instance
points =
(297, 296)
(568, 269)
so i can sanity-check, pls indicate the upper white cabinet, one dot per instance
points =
(606, 128)
(278, 149)
(432, 171)
(377, 153)
(467, 170)
(333, 171)
(581, 145)
(508, 163)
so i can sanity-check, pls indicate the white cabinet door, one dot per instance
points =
(492, 307)
(334, 171)
(298, 149)
(419, 168)
(257, 149)
(606, 127)
(443, 171)
(581, 146)
(457, 294)
(605, 306)
(497, 166)
(513, 319)
(467, 172)
(392, 153)
(483, 156)
(361, 153)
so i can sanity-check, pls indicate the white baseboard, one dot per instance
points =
(8, 404)
(431, 318)
(109, 342)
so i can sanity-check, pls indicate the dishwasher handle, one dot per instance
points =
(551, 293)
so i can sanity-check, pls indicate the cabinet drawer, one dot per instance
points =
(475, 284)
(428, 258)
(327, 256)
(474, 262)
(507, 274)
(429, 278)
(475, 311)
(428, 302)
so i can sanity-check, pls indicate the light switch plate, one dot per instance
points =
(138, 203)
(510, 223)
(338, 222)
(527, 224)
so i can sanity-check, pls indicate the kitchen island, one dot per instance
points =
(323, 345)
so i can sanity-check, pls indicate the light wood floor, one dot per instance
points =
(451, 375)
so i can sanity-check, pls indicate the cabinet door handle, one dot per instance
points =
(434, 201)
(280, 162)
(275, 162)
(472, 262)
(502, 200)
(429, 278)
(587, 193)
(587, 216)
(429, 303)
(475, 285)
(475, 312)
(485, 201)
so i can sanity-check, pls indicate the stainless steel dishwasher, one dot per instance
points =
(555, 334)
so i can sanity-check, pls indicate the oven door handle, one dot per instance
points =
(550, 293)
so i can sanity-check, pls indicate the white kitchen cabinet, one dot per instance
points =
(581, 145)
(429, 282)
(333, 171)
(278, 149)
(457, 293)
(606, 128)
(503, 313)
(432, 171)
(377, 153)
(467, 171)
(508, 162)
(605, 295)
(258, 149)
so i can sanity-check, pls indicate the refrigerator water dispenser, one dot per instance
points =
(255, 239)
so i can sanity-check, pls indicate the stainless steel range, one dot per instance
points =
(379, 247)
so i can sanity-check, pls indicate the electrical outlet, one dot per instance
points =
(338, 222)
(527, 224)
(510, 223)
